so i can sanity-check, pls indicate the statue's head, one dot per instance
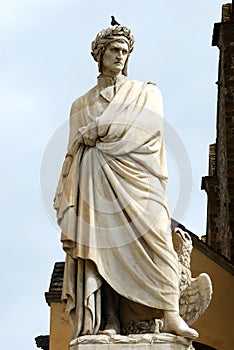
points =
(117, 35)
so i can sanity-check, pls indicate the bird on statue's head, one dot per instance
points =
(114, 22)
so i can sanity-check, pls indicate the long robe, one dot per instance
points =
(112, 206)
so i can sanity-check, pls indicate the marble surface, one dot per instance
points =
(122, 269)
(161, 341)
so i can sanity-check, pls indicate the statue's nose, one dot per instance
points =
(120, 54)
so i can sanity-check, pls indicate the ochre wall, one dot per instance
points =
(60, 329)
(216, 325)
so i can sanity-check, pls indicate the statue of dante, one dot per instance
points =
(111, 202)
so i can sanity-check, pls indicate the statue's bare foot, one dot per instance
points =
(173, 323)
(112, 326)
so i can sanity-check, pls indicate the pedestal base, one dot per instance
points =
(161, 341)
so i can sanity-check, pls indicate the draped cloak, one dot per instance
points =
(112, 206)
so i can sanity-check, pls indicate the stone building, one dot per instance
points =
(219, 184)
(216, 255)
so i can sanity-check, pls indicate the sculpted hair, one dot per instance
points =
(107, 36)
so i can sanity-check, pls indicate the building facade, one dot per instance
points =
(219, 184)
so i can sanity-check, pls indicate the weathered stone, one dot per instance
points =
(162, 341)
(220, 194)
(108, 198)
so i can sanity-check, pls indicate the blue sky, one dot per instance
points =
(45, 64)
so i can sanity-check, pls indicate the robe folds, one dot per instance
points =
(112, 206)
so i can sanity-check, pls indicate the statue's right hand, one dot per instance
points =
(88, 134)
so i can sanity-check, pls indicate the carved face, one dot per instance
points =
(114, 58)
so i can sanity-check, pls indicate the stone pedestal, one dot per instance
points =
(162, 341)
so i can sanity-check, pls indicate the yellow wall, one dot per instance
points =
(216, 326)
(60, 329)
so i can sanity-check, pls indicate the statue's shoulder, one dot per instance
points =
(141, 82)
(149, 87)
(149, 84)
(153, 88)
(82, 101)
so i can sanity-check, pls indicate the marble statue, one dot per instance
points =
(122, 272)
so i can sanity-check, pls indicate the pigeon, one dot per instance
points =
(114, 22)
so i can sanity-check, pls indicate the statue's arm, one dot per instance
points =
(73, 142)
(72, 149)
